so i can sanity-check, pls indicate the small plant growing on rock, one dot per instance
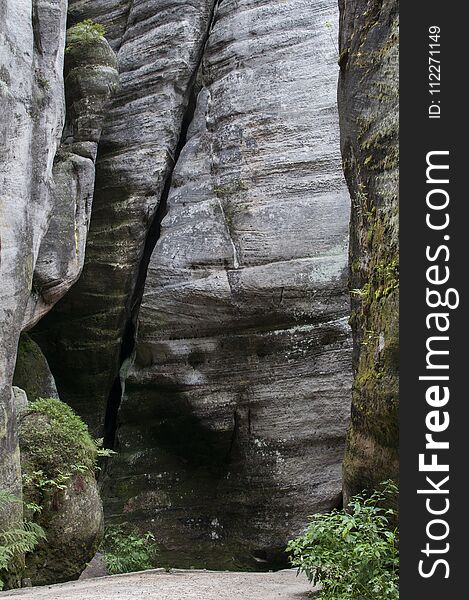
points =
(84, 33)
(126, 551)
(353, 554)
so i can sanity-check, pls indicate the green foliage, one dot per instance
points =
(125, 551)
(353, 554)
(103, 452)
(16, 541)
(84, 33)
(55, 445)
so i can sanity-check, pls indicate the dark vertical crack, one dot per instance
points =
(153, 235)
(234, 435)
(36, 29)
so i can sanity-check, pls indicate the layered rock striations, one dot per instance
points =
(232, 423)
(30, 137)
(228, 398)
(368, 107)
(159, 45)
(46, 185)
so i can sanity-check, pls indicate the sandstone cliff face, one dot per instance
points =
(30, 137)
(46, 187)
(232, 423)
(228, 400)
(368, 107)
(159, 45)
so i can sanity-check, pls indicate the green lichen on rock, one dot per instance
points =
(368, 107)
(233, 187)
(58, 461)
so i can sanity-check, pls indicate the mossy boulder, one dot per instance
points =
(32, 373)
(91, 77)
(58, 460)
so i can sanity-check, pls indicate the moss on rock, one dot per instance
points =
(58, 460)
(32, 373)
(368, 107)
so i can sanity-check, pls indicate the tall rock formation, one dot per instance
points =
(228, 400)
(31, 93)
(236, 401)
(47, 180)
(368, 107)
(159, 45)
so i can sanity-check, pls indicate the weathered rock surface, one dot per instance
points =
(32, 372)
(231, 429)
(90, 79)
(20, 398)
(73, 522)
(32, 109)
(46, 188)
(159, 45)
(368, 106)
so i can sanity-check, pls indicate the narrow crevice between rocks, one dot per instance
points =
(153, 235)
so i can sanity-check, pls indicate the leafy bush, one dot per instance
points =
(16, 541)
(55, 445)
(125, 552)
(352, 553)
(84, 33)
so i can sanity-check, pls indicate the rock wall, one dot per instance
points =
(31, 93)
(228, 400)
(368, 107)
(159, 45)
(231, 427)
(47, 182)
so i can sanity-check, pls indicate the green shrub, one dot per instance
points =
(16, 541)
(84, 33)
(353, 554)
(125, 552)
(55, 445)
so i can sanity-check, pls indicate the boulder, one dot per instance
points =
(32, 372)
(58, 460)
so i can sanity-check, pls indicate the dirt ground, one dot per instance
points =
(176, 585)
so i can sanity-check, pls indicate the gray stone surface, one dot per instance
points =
(20, 398)
(32, 109)
(158, 53)
(369, 121)
(95, 568)
(90, 79)
(231, 429)
(32, 372)
(236, 392)
(46, 187)
(178, 585)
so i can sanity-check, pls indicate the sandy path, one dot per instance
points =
(176, 585)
